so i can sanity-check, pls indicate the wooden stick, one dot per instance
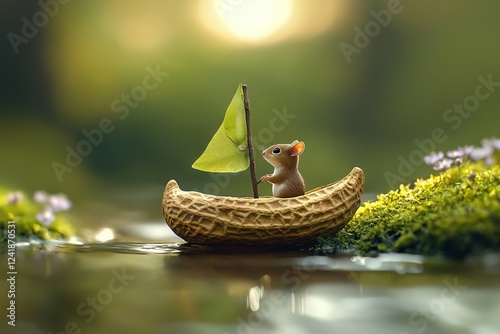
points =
(249, 142)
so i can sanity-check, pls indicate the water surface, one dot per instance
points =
(139, 287)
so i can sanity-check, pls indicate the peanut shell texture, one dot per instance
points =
(266, 221)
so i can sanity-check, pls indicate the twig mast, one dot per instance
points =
(249, 142)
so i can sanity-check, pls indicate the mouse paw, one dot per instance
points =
(265, 177)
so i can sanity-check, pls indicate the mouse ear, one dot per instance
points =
(296, 148)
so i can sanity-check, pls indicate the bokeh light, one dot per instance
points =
(254, 20)
(264, 22)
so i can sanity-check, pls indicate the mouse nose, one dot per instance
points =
(263, 152)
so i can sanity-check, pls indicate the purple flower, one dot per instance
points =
(491, 144)
(467, 149)
(433, 158)
(480, 153)
(46, 217)
(14, 197)
(40, 196)
(456, 157)
(458, 153)
(443, 164)
(495, 142)
(59, 203)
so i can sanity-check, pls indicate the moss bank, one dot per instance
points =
(27, 225)
(455, 213)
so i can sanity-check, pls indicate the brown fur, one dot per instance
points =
(286, 179)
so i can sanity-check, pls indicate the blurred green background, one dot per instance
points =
(68, 65)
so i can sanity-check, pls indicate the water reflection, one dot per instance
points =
(177, 288)
(123, 247)
(105, 234)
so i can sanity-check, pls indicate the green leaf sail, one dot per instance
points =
(227, 150)
(235, 121)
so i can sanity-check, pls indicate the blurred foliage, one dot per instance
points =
(28, 227)
(83, 62)
(455, 213)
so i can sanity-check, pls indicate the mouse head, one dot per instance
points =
(284, 155)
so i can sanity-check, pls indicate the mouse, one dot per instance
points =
(286, 179)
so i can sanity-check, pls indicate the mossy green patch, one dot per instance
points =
(27, 226)
(455, 213)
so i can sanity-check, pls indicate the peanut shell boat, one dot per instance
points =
(259, 221)
(266, 221)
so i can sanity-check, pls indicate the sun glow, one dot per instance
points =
(251, 21)
(265, 21)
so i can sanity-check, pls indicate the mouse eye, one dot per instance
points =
(277, 150)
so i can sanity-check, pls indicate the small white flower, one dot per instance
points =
(458, 153)
(433, 158)
(443, 164)
(40, 196)
(59, 203)
(495, 142)
(46, 217)
(467, 149)
(480, 153)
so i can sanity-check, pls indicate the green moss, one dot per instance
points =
(455, 213)
(27, 226)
